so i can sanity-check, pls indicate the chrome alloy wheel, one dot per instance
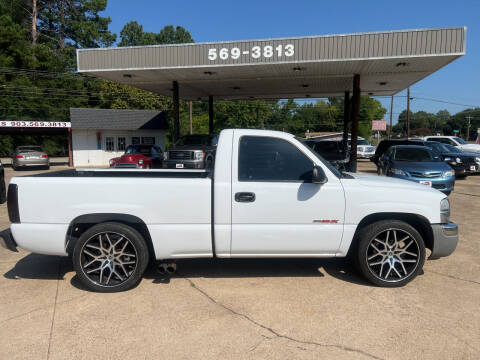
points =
(392, 255)
(108, 259)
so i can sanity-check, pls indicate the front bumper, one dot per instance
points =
(445, 239)
(187, 164)
(7, 241)
(440, 183)
(127, 166)
(365, 155)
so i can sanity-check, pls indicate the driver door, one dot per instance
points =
(276, 209)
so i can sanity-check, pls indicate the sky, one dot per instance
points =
(212, 20)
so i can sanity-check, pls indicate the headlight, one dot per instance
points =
(111, 162)
(199, 155)
(477, 160)
(140, 162)
(448, 173)
(165, 155)
(444, 210)
(458, 160)
(398, 172)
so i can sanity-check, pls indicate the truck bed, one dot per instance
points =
(175, 205)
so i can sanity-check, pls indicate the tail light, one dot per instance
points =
(19, 156)
(12, 204)
(45, 156)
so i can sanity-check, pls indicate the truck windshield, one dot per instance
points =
(139, 149)
(330, 167)
(414, 154)
(460, 140)
(203, 140)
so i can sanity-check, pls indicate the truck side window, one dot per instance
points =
(271, 159)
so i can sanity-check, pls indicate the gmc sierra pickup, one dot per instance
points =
(269, 195)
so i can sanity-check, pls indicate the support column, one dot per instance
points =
(176, 112)
(346, 119)
(408, 113)
(210, 114)
(70, 152)
(191, 118)
(391, 117)
(355, 119)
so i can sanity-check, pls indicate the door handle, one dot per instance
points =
(245, 197)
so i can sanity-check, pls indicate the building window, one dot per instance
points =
(121, 143)
(109, 143)
(148, 140)
(135, 140)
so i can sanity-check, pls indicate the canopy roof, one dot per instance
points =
(299, 67)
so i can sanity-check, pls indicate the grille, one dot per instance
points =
(180, 155)
(438, 186)
(419, 174)
(126, 166)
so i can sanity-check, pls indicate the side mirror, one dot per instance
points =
(318, 175)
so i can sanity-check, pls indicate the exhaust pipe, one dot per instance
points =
(167, 268)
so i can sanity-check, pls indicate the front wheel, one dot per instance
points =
(391, 253)
(110, 257)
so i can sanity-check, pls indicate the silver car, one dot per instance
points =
(25, 156)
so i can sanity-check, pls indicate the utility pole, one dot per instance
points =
(391, 116)
(408, 113)
(468, 127)
(190, 117)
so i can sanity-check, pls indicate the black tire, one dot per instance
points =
(47, 167)
(134, 272)
(408, 269)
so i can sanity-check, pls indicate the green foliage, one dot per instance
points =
(132, 34)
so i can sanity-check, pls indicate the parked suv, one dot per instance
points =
(332, 151)
(191, 152)
(365, 150)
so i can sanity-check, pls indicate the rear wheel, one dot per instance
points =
(110, 257)
(391, 253)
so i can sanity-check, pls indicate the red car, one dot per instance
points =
(139, 157)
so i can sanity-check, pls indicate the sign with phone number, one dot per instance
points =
(256, 52)
(36, 124)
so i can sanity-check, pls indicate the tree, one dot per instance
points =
(132, 34)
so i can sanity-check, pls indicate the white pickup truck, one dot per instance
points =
(269, 195)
